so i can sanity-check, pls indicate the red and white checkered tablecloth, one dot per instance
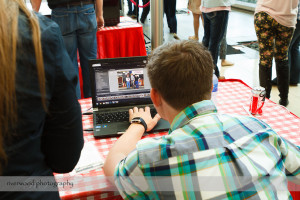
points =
(233, 97)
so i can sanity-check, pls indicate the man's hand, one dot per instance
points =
(145, 115)
(99, 14)
(100, 22)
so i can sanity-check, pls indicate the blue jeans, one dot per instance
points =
(294, 56)
(78, 26)
(215, 25)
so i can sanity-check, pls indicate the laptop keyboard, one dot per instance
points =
(123, 116)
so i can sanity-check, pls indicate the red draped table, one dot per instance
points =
(233, 97)
(124, 40)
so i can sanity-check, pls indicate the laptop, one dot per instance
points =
(119, 84)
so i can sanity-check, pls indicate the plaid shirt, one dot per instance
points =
(298, 15)
(207, 155)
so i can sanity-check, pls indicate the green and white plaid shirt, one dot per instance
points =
(207, 155)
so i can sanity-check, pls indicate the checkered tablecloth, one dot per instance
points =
(233, 97)
(125, 22)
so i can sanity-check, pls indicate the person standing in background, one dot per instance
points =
(223, 51)
(194, 7)
(294, 53)
(132, 80)
(78, 22)
(40, 117)
(215, 14)
(170, 10)
(274, 22)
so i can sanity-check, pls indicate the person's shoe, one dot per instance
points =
(221, 77)
(274, 81)
(133, 16)
(293, 84)
(142, 21)
(193, 38)
(175, 36)
(129, 13)
(226, 63)
(284, 102)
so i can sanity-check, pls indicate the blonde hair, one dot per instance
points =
(9, 13)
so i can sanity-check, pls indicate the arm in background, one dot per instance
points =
(99, 13)
(36, 4)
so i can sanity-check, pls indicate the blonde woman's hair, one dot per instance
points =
(9, 13)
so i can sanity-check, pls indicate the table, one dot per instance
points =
(124, 40)
(233, 97)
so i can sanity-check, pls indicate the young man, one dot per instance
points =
(206, 155)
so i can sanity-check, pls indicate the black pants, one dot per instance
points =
(170, 10)
(145, 12)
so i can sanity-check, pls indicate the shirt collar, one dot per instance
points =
(196, 109)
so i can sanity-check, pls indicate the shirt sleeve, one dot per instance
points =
(62, 139)
(129, 178)
(291, 159)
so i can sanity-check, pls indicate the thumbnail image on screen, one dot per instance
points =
(130, 80)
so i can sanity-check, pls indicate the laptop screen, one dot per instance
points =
(120, 82)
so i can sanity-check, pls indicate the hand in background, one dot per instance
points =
(100, 22)
(145, 115)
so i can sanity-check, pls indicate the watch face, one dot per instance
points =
(136, 120)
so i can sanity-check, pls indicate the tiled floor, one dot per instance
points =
(240, 29)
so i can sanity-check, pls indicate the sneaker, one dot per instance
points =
(133, 16)
(175, 36)
(226, 63)
(274, 81)
(221, 77)
(293, 84)
(193, 38)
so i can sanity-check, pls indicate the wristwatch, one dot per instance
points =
(139, 120)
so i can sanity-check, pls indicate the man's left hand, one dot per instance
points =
(145, 115)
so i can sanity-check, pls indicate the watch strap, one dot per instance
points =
(140, 121)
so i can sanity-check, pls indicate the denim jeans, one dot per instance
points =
(223, 47)
(78, 26)
(215, 25)
(294, 56)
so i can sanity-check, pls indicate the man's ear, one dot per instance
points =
(155, 97)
